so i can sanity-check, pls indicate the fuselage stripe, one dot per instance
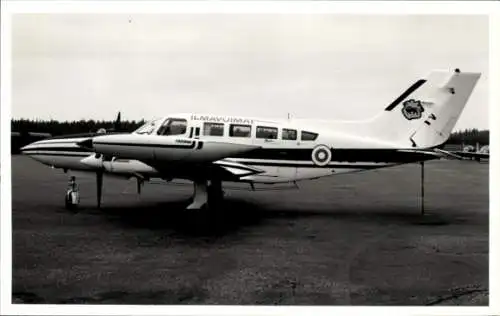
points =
(329, 166)
(56, 149)
(405, 94)
(188, 146)
(55, 153)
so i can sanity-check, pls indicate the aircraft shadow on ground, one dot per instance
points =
(234, 214)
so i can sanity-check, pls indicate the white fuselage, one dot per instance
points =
(253, 150)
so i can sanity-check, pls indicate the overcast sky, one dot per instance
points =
(85, 66)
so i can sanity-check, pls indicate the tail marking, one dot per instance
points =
(405, 94)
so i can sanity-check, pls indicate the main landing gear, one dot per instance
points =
(208, 194)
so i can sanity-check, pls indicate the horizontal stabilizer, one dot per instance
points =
(448, 154)
(435, 153)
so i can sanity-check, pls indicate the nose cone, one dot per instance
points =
(34, 150)
(26, 150)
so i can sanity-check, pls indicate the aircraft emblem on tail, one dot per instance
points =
(412, 109)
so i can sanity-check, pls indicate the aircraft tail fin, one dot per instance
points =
(424, 115)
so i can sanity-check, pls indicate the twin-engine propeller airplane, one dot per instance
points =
(210, 149)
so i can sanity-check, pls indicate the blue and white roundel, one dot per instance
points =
(321, 155)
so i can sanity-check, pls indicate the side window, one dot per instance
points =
(213, 129)
(289, 134)
(308, 136)
(240, 130)
(267, 132)
(173, 127)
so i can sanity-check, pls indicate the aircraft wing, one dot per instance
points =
(164, 150)
(176, 157)
(222, 169)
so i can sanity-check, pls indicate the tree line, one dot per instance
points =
(56, 128)
(470, 136)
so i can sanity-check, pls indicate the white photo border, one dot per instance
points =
(10, 8)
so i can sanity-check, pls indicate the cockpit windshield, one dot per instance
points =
(148, 127)
(173, 126)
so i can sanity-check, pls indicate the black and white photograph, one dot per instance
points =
(251, 159)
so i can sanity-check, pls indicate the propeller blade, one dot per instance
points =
(99, 176)
(139, 185)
